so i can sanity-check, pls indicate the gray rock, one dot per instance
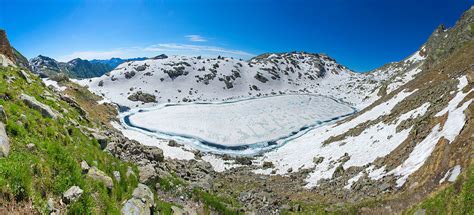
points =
(98, 175)
(178, 211)
(85, 167)
(146, 173)
(25, 76)
(50, 206)
(117, 176)
(103, 140)
(141, 203)
(4, 141)
(154, 153)
(318, 160)
(143, 97)
(267, 164)
(30, 146)
(135, 207)
(145, 194)
(45, 110)
(72, 194)
(3, 115)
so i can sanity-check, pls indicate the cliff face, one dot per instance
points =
(5, 47)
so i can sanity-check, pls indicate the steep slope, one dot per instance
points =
(5, 48)
(415, 140)
(48, 139)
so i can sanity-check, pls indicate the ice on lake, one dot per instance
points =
(240, 123)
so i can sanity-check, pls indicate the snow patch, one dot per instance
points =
(49, 82)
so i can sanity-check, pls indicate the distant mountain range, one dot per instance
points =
(76, 68)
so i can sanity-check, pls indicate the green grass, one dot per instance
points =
(456, 198)
(53, 165)
(215, 202)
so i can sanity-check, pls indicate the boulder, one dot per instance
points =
(141, 203)
(72, 194)
(178, 211)
(135, 207)
(145, 194)
(103, 140)
(154, 153)
(45, 110)
(85, 167)
(147, 173)
(98, 175)
(4, 141)
(25, 76)
(3, 115)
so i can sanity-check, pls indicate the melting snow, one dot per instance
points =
(452, 174)
(451, 128)
(49, 82)
(375, 141)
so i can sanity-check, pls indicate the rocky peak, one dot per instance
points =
(444, 41)
(5, 47)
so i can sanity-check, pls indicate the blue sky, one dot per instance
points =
(362, 34)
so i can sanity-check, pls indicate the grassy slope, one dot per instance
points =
(53, 165)
(456, 198)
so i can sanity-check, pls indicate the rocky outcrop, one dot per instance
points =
(4, 141)
(25, 76)
(74, 104)
(143, 97)
(98, 175)
(45, 110)
(5, 48)
(142, 201)
(72, 194)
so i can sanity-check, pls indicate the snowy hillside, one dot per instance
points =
(187, 79)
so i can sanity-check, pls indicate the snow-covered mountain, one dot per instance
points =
(180, 79)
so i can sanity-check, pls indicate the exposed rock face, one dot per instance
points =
(142, 201)
(143, 97)
(45, 110)
(72, 194)
(443, 41)
(4, 142)
(5, 48)
(97, 174)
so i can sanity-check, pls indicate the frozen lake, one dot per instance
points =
(238, 125)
